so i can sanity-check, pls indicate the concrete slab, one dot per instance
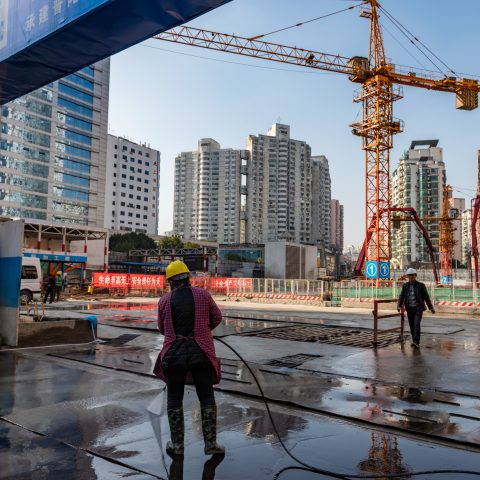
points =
(25, 455)
(117, 427)
(94, 398)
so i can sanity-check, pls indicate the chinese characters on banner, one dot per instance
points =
(125, 280)
(222, 283)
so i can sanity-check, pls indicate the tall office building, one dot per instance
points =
(321, 198)
(336, 225)
(417, 182)
(279, 188)
(132, 187)
(53, 146)
(207, 199)
(466, 228)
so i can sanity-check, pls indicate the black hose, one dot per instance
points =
(313, 469)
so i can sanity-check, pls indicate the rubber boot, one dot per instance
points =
(209, 428)
(177, 431)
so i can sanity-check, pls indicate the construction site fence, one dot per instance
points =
(336, 292)
(369, 289)
(330, 292)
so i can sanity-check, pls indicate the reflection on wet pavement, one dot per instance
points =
(91, 403)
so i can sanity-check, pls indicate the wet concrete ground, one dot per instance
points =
(84, 409)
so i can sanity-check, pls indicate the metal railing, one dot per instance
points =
(377, 317)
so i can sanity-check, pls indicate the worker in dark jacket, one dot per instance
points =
(186, 317)
(50, 289)
(414, 296)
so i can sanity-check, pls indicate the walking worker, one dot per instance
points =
(186, 317)
(50, 289)
(413, 296)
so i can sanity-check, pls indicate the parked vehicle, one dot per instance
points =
(31, 280)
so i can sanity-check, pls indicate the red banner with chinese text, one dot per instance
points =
(222, 283)
(125, 280)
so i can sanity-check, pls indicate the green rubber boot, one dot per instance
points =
(209, 427)
(177, 431)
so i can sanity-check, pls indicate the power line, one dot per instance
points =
(405, 29)
(256, 37)
(402, 46)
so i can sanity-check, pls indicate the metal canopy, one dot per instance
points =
(72, 232)
(44, 40)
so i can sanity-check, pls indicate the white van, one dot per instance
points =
(31, 282)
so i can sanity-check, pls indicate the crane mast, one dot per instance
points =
(377, 129)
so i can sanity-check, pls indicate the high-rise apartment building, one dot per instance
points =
(279, 188)
(417, 182)
(321, 198)
(53, 145)
(132, 187)
(466, 228)
(336, 225)
(207, 194)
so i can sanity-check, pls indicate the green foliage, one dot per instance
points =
(130, 241)
(170, 242)
(191, 245)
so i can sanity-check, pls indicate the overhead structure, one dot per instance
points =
(380, 81)
(410, 214)
(43, 40)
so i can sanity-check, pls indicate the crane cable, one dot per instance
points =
(256, 37)
(412, 38)
(305, 466)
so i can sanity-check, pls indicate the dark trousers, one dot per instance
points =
(49, 292)
(414, 316)
(58, 290)
(202, 378)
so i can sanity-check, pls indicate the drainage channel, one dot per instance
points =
(348, 337)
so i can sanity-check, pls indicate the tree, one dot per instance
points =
(191, 245)
(170, 242)
(130, 241)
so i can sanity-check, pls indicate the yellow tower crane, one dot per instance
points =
(381, 81)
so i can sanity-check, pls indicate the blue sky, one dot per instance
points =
(166, 95)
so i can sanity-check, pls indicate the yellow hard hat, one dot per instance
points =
(176, 268)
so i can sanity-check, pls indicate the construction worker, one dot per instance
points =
(413, 296)
(58, 285)
(50, 289)
(186, 317)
